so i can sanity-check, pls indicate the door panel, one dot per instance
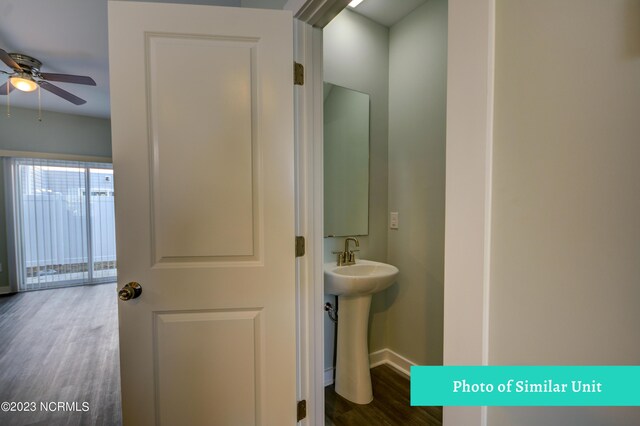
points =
(202, 128)
(221, 90)
(189, 355)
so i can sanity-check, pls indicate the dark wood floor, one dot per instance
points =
(61, 346)
(390, 406)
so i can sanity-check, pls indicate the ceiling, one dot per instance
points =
(387, 12)
(67, 36)
(71, 37)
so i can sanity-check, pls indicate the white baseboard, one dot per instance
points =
(392, 359)
(383, 356)
(5, 290)
(328, 376)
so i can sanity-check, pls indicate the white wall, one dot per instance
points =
(417, 121)
(356, 56)
(56, 133)
(565, 269)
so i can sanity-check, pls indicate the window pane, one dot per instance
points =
(103, 229)
(64, 218)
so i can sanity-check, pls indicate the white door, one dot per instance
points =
(202, 122)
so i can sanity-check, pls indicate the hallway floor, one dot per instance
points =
(390, 405)
(60, 346)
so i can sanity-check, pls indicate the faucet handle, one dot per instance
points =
(342, 256)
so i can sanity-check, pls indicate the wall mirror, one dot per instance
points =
(346, 161)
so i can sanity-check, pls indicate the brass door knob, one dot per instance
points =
(130, 291)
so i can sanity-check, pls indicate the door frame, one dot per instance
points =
(308, 136)
(470, 91)
(309, 221)
(470, 88)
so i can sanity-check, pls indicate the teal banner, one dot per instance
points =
(525, 386)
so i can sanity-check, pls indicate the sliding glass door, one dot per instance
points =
(64, 223)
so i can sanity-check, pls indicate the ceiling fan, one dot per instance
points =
(26, 76)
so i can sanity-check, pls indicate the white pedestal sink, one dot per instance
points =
(354, 285)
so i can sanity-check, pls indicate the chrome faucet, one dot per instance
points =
(347, 257)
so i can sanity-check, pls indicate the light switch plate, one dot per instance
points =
(393, 220)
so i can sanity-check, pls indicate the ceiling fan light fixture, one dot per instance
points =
(23, 82)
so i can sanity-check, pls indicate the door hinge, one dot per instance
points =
(298, 74)
(302, 409)
(300, 247)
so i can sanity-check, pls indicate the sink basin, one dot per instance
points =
(365, 277)
(354, 285)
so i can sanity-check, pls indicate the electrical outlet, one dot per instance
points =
(393, 220)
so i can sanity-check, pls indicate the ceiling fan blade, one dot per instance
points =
(3, 88)
(62, 93)
(4, 56)
(68, 78)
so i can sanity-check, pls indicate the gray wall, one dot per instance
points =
(356, 55)
(257, 4)
(565, 269)
(417, 118)
(57, 133)
(4, 275)
(408, 102)
(263, 4)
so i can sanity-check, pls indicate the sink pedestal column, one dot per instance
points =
(353, 377)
